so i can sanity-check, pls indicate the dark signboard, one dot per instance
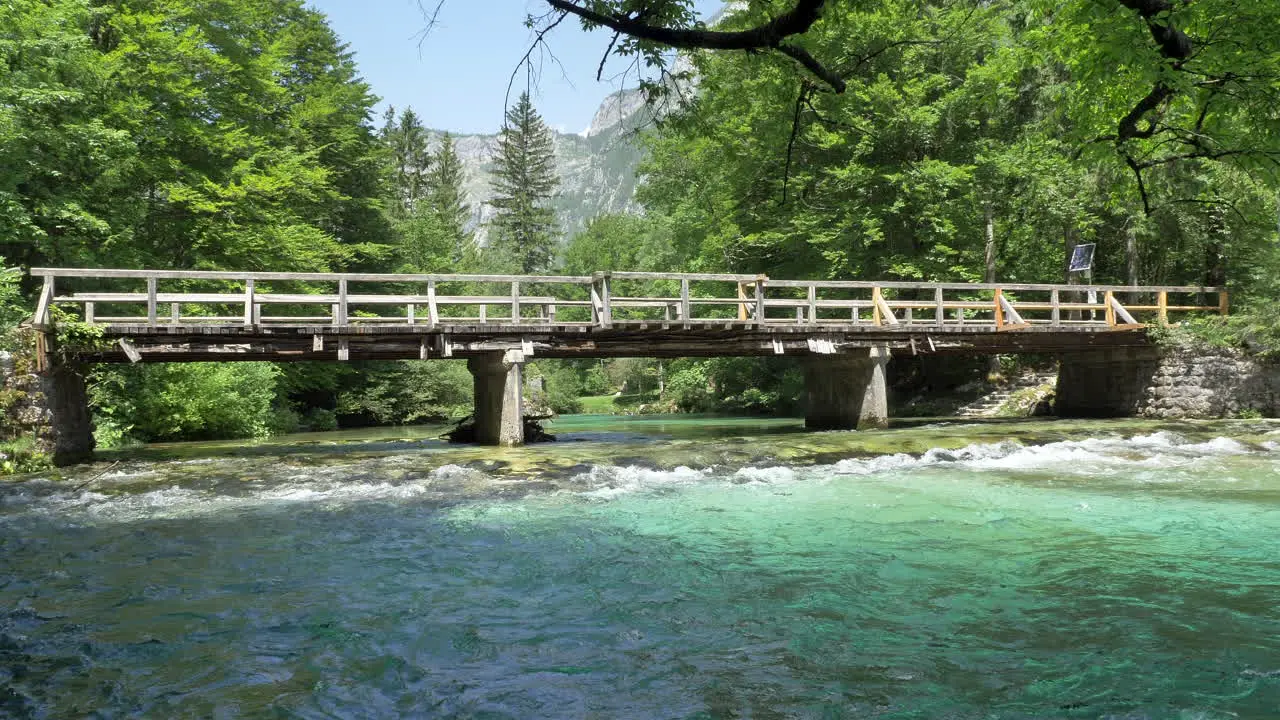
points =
(1082, 258)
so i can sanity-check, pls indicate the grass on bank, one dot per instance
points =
(624, 404)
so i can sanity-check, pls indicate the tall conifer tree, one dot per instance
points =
(524, 183)
(406, 140)
(444, 191)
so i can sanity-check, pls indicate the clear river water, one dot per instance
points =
(656, 568)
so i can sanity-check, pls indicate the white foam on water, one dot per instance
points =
(1148, 456)
(1158, 457)
(179, 502)
(609, 481)
(764, 476)
(1145, 458)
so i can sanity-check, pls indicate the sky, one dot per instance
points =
(456, 77)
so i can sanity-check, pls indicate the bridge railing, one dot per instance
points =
(604, 299)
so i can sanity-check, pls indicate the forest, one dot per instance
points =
(896, 139)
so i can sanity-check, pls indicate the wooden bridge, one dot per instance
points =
(186, 316)
(847, 328)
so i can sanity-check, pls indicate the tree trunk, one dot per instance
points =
(989, 270)
(1215, 258)
(1131, 252)
(1069, 241)
(988, 218)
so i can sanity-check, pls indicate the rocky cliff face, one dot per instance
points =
(597, 168)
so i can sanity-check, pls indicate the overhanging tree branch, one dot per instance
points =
(767, 36)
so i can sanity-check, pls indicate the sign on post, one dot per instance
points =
(1081, 258)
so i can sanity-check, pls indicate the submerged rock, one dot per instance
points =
(465, 431)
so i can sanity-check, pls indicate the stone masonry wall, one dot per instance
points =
(50, 407)
(1210, 383)
(1201, 382)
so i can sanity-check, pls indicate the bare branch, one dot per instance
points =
(526, 61)
(791, 143)
(1142, 186)
(605, 58)
(432, 16)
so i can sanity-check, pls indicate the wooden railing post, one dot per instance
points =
(1110, 311)
(409, 314)
(1162, 306)
(760, 281)
(1223, 307)
(876, 300)
(1119, 312)
(175, 313)
(88, 312)
(248, 301)
(684, 302)
(1011, 316)
(433, 315)
(44, 308)
(885, 313)
(151, 301)
(939, 312)
(515, 302)
(342, 301)
(999, 309)
(813, 303)
(742, 302)
(1055, 308)
(606, 293)
(597, 306)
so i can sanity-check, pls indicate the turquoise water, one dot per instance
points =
(1083, 570)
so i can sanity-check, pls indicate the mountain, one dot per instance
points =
(597, 167)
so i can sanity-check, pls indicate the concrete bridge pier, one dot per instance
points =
(847, 391)
(498, 391)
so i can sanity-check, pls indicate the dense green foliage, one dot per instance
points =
(424, 196)
(969, 141)
(160, 133)
(965, 132)
(182, 402)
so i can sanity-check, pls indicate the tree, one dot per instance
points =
(445, 193)
(410, 160)
(524, 182)
(63, 162)
(422, 243)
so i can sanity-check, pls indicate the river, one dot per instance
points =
(656, 568)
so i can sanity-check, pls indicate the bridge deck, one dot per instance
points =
(307, 316)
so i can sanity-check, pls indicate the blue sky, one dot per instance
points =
(456, 77)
